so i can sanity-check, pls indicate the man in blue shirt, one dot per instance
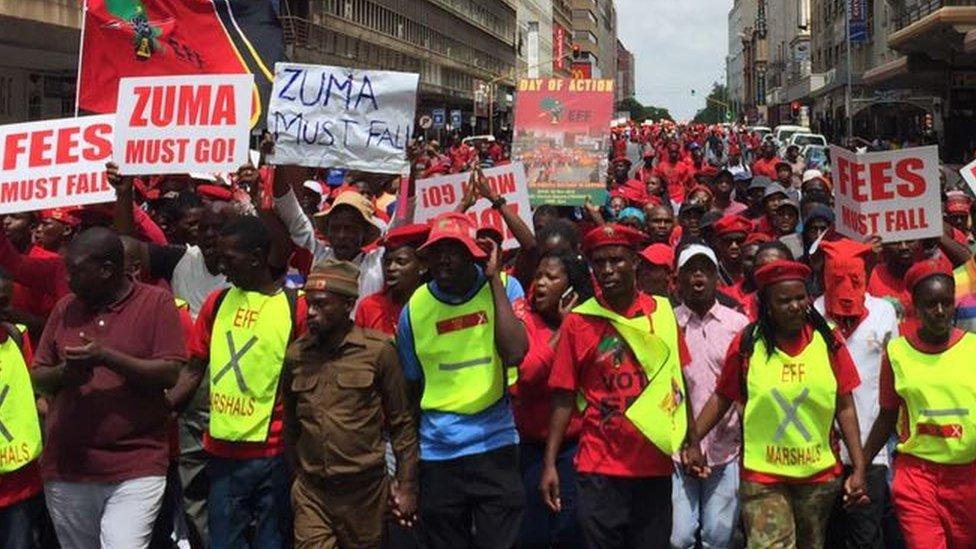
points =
(458, 337)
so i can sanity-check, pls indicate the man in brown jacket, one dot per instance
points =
(345, 392)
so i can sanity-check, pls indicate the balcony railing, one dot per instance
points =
(912, 12)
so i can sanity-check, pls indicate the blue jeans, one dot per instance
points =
(16, 522)
(540, 526)
(711, 503)
(245, 491)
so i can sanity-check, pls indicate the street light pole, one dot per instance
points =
(848, 93)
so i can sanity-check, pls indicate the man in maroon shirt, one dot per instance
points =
(107, 356)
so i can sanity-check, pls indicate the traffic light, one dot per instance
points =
(576, 51)
(795, 108)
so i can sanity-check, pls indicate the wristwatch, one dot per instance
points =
(498, 202)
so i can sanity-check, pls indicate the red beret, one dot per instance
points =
(633, 191)
(659, 254)
(413, 235)
(731, 224)
(611, 234)
(215, 192)
(924, 269)
(957, 207)
(781, 270)
(757, 238)
(64, 215)
(708, 171)
(622, 158)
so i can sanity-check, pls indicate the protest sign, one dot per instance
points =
(55, 163)
(338, 117)
(179, 124)
(437, 195)
(968, 173)
(892, 194)
(561, 137)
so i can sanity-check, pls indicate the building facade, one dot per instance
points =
(625, 80)
(38, 59)
(595, 35)
(562, 38)
(464, 50)
(789, 67)
(742, 17)
(535, 41)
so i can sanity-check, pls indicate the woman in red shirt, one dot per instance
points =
(794, 379)
(403, 272)
(561, 281)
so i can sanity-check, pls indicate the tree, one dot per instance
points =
(640, 113)
(716, 106)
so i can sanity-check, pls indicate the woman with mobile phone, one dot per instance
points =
(561, 281)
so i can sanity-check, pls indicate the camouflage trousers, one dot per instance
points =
(787, 516)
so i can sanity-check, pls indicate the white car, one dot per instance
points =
(782, 134)
(803, 139)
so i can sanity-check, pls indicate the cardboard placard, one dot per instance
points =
(55, 163)
(891, 194)
(437, 195)
(338, 117)
(561, 137)
(180, 124)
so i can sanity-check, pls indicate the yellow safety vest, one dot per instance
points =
(455, 344)
(20, 429)
(789, 411)
(250, 334)
(659, 412)
(939, 392)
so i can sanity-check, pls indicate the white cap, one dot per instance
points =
(313, 185)
(692, 250)
(811, 174)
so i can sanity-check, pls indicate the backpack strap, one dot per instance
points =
(15, 333)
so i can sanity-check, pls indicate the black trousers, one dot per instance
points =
(861, 527)
(473, 501)
(624, 513)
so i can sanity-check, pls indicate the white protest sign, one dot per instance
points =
(180, 124)
(436, 195)
(968, 173)
(892, 194)
(55, 163)
(338, 117)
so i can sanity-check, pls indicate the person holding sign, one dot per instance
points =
(794, 378)
(622, 351)
(927, 380)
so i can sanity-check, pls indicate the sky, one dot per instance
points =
(678, 46)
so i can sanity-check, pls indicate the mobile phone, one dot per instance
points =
(569, 291)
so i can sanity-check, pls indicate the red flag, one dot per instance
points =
(151, 38)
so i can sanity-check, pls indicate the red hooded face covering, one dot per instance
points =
(845, 278)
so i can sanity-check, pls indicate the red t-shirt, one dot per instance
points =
(678, 177)
(766, 167)
(592, 358)
(732, 382)
(531, 395)
(110, 429)
(28, 298)
(24, 483)
(886, 285)
(378, 312)
(200, 348)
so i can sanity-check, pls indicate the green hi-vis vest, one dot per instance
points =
(659, 412)
(455, 344)
(247, 351)
(20, 429)
(939, 392)
(789, 411)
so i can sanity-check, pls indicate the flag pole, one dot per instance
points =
(81, 51)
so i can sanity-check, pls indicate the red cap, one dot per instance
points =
(659, 254)
(924, 269)
(64, 215)
(732, 224)
(708, 171)
(215, 192)
(454, 226)
(780, 270)
(413, 235)
(612, 234)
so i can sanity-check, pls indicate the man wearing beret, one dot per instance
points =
(344, 390)
(622, 351)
